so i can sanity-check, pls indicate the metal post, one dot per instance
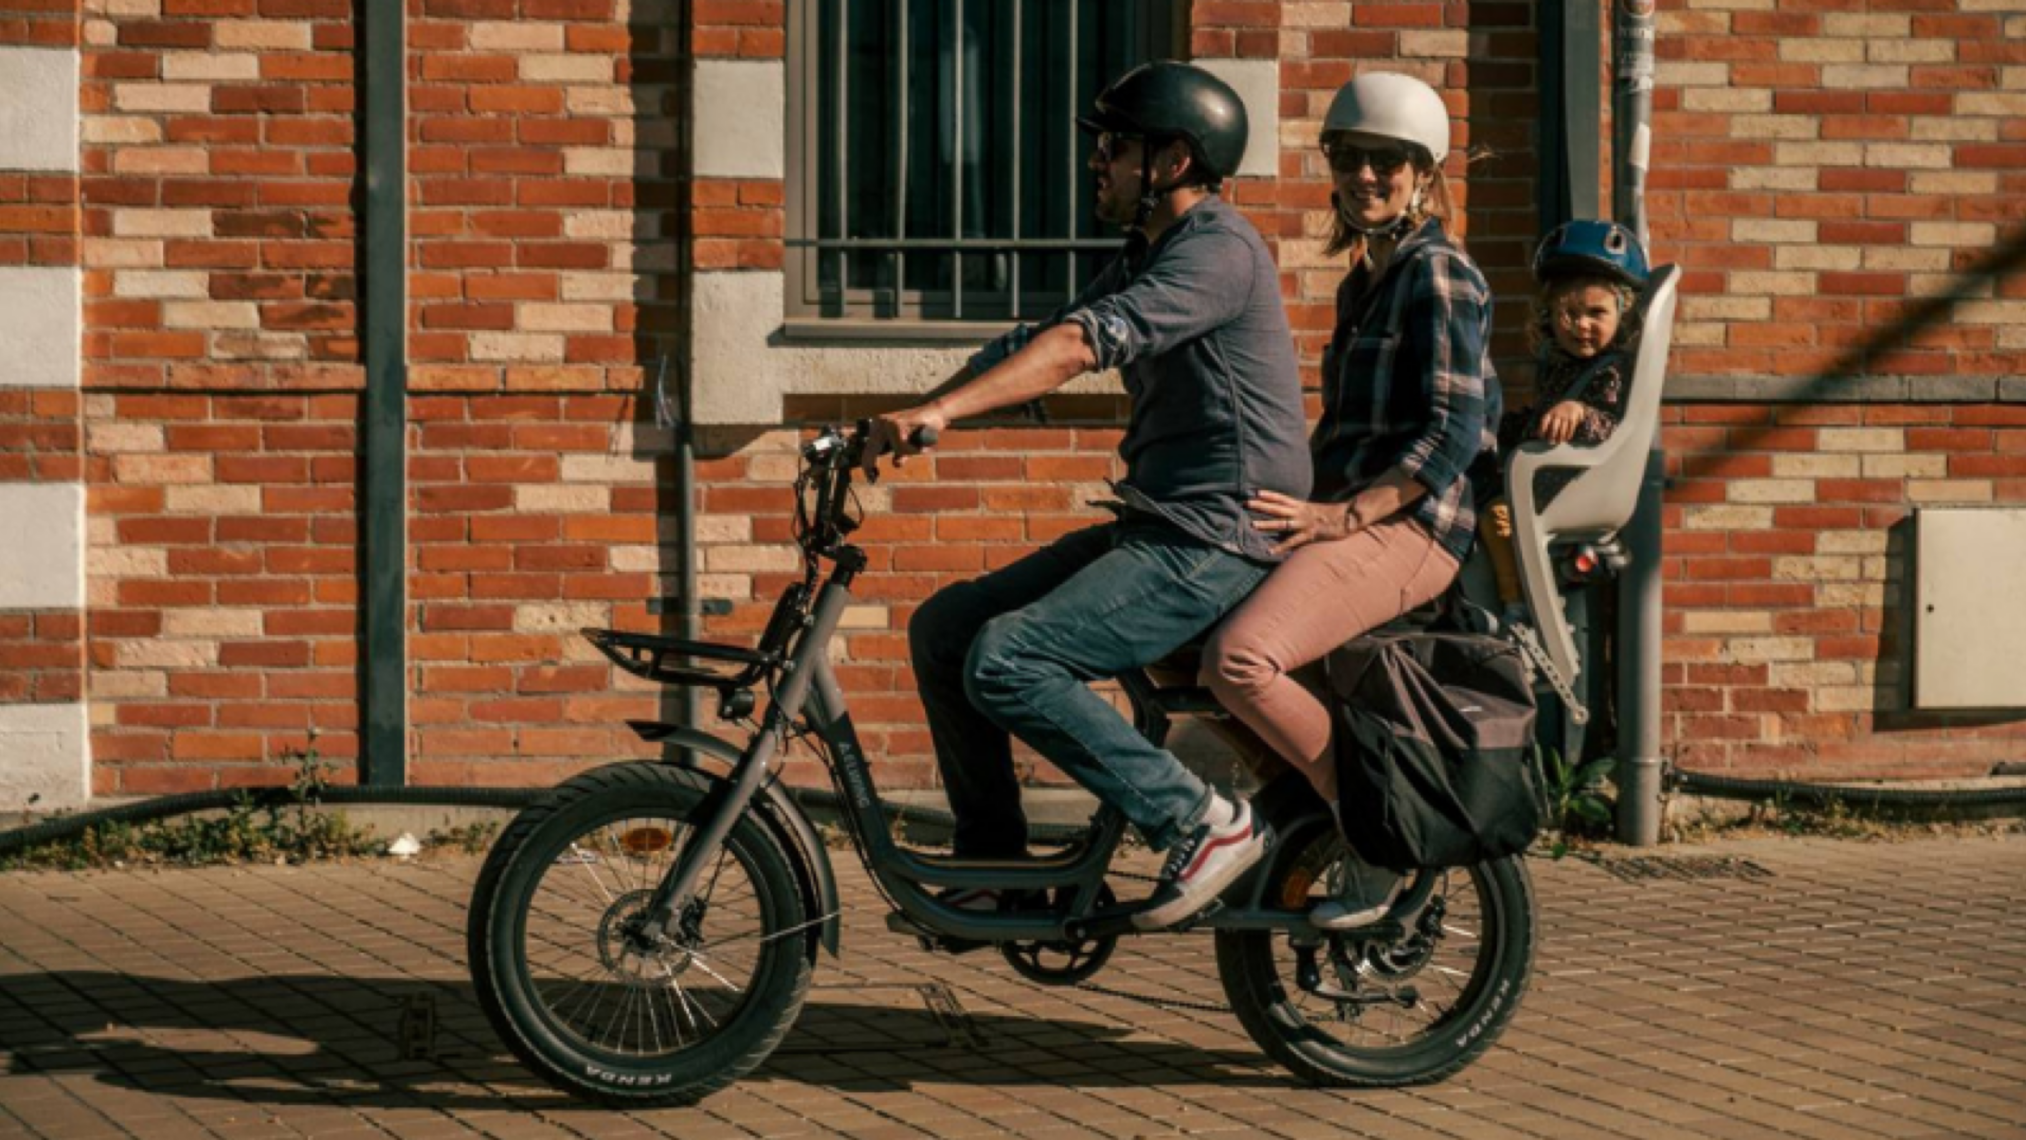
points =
(1639, 640)
(1639, 598)
(1632, 112)
(1572, 113)
(690, 624)
(384, 676)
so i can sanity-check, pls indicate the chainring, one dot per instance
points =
(1062, 963)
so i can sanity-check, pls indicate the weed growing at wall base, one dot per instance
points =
(295, 831)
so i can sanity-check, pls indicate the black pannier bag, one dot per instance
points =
(1434, 749)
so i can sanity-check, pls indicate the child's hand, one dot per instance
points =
(1561, 421)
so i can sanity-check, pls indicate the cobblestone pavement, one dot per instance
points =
(1809, 988)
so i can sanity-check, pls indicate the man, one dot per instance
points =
(1191, 315)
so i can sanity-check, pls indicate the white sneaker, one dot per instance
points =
(1365, 896)
(1202, 864)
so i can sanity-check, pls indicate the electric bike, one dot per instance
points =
(647, 934)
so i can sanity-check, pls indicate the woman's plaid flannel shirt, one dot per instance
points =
(1408, 383)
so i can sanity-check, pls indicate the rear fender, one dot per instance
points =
(778, 811)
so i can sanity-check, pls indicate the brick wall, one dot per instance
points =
(1822, 167)
(218, 174)
(1829, 175)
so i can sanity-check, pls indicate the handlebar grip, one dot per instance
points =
(925, 437)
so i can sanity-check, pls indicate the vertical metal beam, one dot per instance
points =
(1571, 123)
(1019, 35)
(1076, 143)
(1640, 766)
(900, 155)
(957, 157)
(384, 669)
(842, 127)
(1631, 111)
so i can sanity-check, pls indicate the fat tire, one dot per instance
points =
(1247, 965)
(503, 893)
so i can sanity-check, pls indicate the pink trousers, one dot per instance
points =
(1325, 594)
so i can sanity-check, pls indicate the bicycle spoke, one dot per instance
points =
(705, 966)
(769, 938)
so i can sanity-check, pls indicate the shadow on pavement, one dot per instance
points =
(363, 1042)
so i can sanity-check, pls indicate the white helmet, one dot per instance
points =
(1392, 106)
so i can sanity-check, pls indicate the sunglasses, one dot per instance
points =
(1347, 159)
(1109, 145)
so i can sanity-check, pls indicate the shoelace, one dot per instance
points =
(1183, 852)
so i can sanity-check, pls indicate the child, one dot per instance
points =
(1590, 275)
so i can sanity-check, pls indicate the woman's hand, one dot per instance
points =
(1561, 421)
(1296, 523)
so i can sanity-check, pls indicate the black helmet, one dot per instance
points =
(1163, 100)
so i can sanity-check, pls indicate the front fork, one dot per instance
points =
(721, 807)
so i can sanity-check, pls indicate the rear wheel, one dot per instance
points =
(1415, 1006)
(582, 995)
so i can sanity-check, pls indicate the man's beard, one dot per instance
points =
(1118, 211)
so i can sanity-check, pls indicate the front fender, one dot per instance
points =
(779, 811)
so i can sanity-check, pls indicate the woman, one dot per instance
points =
(1408, 390)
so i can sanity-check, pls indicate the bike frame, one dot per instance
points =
(808, 695)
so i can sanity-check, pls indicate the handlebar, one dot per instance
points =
(823, 495)
(849, 443)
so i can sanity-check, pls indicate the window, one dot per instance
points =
(936, 173)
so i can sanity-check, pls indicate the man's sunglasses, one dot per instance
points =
(1109, 145)
(1346, 159)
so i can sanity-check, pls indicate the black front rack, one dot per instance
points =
(649, 655)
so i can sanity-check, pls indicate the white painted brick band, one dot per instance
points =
(38, 109)
(39, 319)
(1257, 82)
(741, 119)
(41, 546)
(45, 757)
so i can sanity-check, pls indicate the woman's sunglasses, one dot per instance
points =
(1346, 159)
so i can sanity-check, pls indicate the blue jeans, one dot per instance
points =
(1013, 653)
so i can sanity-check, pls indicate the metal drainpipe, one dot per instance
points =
(384, 406)
(1639, 629)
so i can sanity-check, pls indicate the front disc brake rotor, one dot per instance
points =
(619, 947)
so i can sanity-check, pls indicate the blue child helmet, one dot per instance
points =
(1584, 247)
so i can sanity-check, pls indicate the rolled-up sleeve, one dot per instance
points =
(1445, 327)
(1186, 292)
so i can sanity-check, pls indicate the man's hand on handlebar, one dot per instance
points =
(903, 433)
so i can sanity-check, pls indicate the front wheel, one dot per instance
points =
(587, 1001)
(1350, 1011)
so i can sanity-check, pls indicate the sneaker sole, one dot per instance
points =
(1170, 913)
